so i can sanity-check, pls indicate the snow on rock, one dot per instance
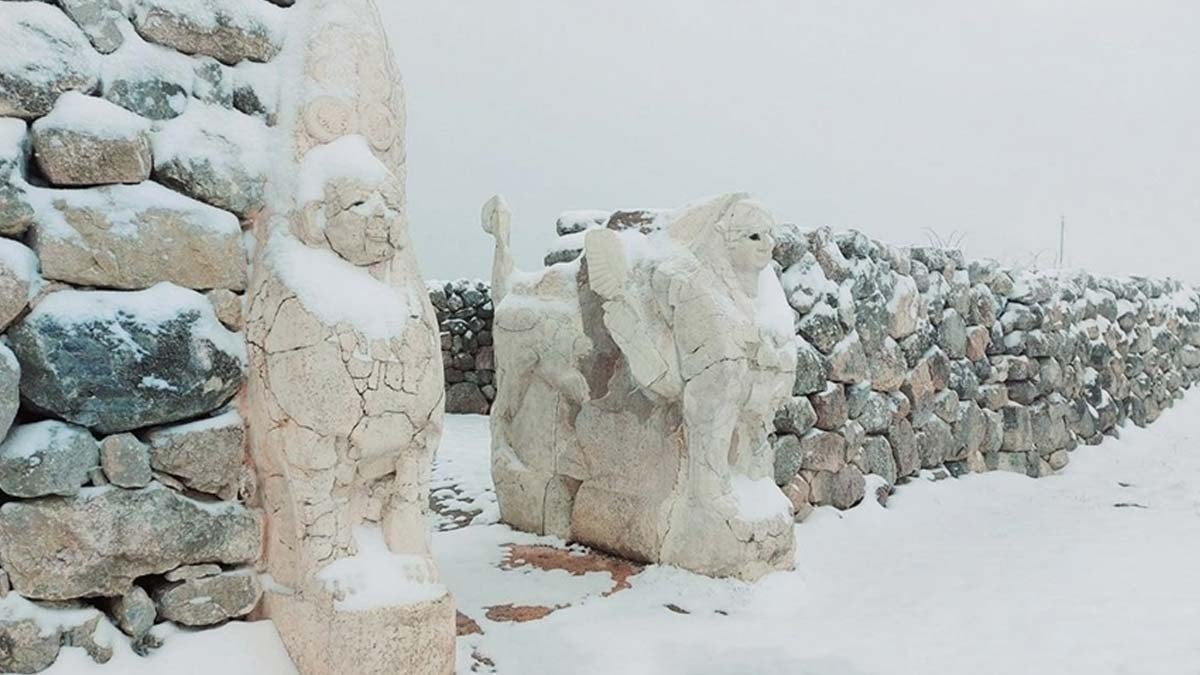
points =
(47, 458)
(147, 79)
(45, 54)
(101, 21)
(133, 236)
(209, 600)
(207, 455)
(19, 279)
(16, 213)
(227, 30)
(115, 536)
(90, 141)
(85, 356)
(375, 577)
(335, 291)
(32, 635)
(347, 158)
(218, 156)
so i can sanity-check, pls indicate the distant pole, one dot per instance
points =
(1062, 238)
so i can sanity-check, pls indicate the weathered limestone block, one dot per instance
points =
(46, 55)
(47, 458)
(209, 600)
(16, 213)
(115, 361)
(206, 455)
(19, 280)
(345, 398)
(627, 416)
(126, 461)
(146, 79)
(134, 612)
(115, 536)
(841, 489)
(31, 634)
(227, 30)
(822, 451)
(135, 236)
(100, 20)
(90, 141)
(216, 156)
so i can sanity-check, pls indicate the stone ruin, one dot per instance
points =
(221, 384)
(907, 360)
(220, 381)
(636, 390)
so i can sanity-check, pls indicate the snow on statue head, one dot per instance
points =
(345, 396)
(636, 389)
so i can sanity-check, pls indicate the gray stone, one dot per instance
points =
(49, 56)
(192, 572)
(935, 443)
(810, 369)
(788, 455)
(1018, 428)
(799, 493)
(848, 361)
(822, 328)
(970, 432)
(120, 361)
(876, 414)
(200, 155)
(877, 458)
(100, 20)
(47, 458)
(945, 406)
(209, 600)
(10, 399)
(226, 30)
(134, 612)
(842, 489)
(206, 455)
(115, 536)
(887, 366)
(796, 417)
(212, 84)
(25, 648)
(904, 448)
(831, 407)
(465, 398)
(152, 93)
(136, 236)
(822, 451)
(952, 335)
(73, 148)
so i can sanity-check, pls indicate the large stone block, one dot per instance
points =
(209, 600)
(206, 455)
(135, 236)
(90, 141)
(47, 458)
(46, 55)
(115, 536)
(116, 361)
(227, 30)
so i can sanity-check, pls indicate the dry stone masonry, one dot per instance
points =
(464, 312)
(913, 359)
(190, 433)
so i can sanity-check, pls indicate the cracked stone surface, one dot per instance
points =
(603, 433)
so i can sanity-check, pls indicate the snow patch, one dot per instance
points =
(375, 577)
(92, 116)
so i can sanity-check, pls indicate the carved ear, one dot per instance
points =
(697, 217)
(607, 268)
(496, 217)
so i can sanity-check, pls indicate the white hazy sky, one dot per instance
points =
(988, 118)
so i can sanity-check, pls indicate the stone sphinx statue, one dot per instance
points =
(345, 394)
(637, 387)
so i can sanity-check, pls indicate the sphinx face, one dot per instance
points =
(750, 239)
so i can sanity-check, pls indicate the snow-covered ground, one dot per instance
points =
(1095, 570)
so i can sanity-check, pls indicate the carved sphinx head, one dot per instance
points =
(363, 223)
(747, 228)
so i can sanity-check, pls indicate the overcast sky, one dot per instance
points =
(985, 118)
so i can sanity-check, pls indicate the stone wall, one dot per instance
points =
(915, 359)
(128, 169)
(160, 162)
(464, 313)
